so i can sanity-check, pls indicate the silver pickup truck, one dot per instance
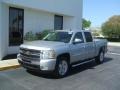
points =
(60, 50)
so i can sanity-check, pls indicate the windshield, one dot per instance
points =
(59, 36)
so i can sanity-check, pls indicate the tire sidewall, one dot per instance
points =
(102, 57)
(97, 59)
(57, 67)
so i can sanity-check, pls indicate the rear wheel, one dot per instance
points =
(100, 58)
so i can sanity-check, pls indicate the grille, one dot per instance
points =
(29, 55)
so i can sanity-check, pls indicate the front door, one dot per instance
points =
(16, 20)
(78, 48)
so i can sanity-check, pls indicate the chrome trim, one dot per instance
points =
(30, 52)
(29, 58)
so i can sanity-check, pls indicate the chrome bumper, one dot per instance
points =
(43, 65)
(48, 64)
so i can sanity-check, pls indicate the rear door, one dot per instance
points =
(89, 46)
(78, 47)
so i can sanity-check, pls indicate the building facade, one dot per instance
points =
(17, 17)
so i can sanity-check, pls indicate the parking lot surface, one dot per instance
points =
(89, 76)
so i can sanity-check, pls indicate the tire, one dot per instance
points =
(62, 67)
(100, 58)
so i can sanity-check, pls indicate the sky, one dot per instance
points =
(98, 11)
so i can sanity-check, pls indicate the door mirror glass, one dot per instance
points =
(77, 40)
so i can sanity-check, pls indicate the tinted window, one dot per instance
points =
(88, 37)
(58, 36)
(15, 26)
(58, 23)
(79, 36)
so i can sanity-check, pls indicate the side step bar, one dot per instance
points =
(75, 65)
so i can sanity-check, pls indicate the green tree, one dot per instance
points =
(111, 28)
(95, 32)
(86, 23)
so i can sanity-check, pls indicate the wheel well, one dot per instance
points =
(102, 49)
(67, 55)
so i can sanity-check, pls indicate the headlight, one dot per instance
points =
(47, 54)
(20, 51)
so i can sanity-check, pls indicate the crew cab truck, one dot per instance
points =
(60, 50)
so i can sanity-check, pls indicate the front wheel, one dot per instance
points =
(100, 58)
(62, 67)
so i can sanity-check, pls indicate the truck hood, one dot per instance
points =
(42, 45)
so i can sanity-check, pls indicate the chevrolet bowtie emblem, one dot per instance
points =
(27, 52)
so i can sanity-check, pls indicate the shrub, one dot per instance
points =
(113, 39)
(41, 35)
(30, 36)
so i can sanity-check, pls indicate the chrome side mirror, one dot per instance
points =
(77, 40)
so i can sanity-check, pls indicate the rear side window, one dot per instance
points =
(88, 37)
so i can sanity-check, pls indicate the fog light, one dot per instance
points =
(43, 68)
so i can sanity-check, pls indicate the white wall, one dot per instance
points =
(37, 21)
(68, 22)
(58, 6)
(0, 31)
(4, 29)
(64, 7)
(5, 48)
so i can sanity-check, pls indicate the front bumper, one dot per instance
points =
(42, 65)
(29, 66)
(48, 64)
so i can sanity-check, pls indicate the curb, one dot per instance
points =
(113, 44)
(9, 67)
(9, 64)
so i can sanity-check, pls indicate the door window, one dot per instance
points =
(88, 36)
(78, 38)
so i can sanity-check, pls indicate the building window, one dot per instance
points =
(16, 21)
(58, 22)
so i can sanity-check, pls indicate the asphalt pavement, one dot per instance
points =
(89, 76)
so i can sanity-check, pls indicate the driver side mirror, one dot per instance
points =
(77, 40)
